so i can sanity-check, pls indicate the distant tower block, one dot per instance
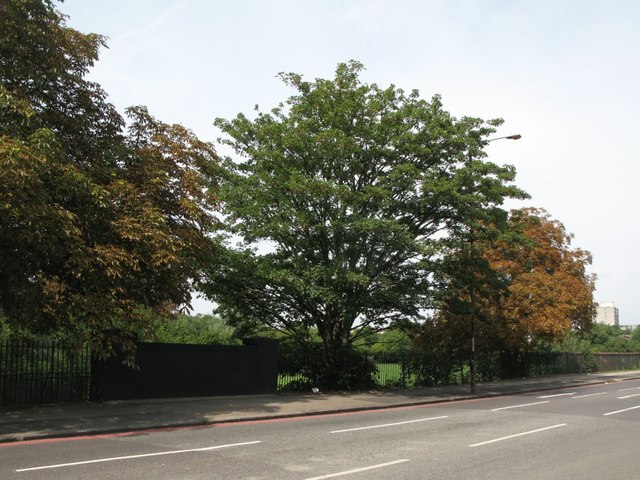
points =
(608, 314)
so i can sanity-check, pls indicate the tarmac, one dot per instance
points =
(85, 419)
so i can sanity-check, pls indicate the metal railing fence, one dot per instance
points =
(46, 372)
(440, 368)
(49, 372)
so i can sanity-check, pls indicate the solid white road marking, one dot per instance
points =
(559, 395)
(518, 435)
(128, 457)
(627, 389)
(518, 406)
(358, 470)
(389, 424)
(628, 396)
(590, 395)
(620, 411)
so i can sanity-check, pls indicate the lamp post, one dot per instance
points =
(472, 293)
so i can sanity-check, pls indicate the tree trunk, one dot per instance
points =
(343, 367)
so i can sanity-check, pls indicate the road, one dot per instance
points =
(580, 433)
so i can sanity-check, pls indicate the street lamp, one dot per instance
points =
(472, 379)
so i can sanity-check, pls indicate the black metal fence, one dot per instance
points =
(36, 373)
(168, 370)
(432, 369)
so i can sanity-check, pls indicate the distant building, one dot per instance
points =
(608, 314)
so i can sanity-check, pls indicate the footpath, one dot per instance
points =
(67, 420)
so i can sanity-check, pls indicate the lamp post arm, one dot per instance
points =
(517, 136)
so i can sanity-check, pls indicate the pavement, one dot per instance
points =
(70, 420)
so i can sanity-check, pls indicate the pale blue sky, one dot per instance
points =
(563, 73)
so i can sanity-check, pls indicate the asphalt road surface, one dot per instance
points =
(580, 433)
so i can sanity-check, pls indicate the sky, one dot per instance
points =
(565, 74)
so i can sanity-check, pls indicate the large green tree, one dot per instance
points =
(98, 222)
(341, 198)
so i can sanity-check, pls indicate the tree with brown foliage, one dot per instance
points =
(98, 224)
(531, 288)
(549, 290)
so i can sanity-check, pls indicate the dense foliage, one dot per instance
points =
(602, 339)
(533, 291)
(549, 291)
(198, 329)
(352, 189)
(350, 208)
(98, 222)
